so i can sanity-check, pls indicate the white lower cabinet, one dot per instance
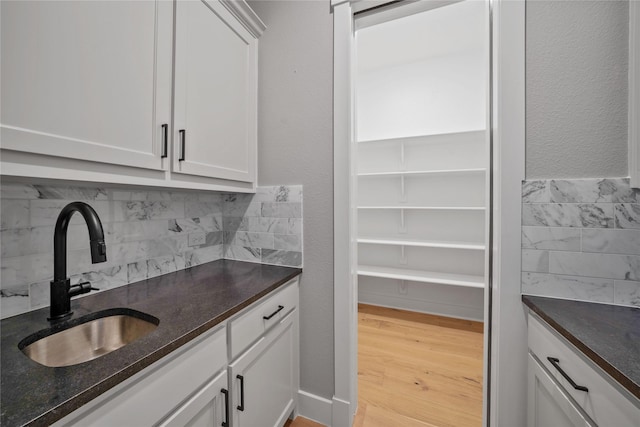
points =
(548, 403)
(264, 378)
(203, 383)
(566, 389)
(209, 406)
(153, 394)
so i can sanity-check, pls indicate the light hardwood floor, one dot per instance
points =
(302, 422)
(416, 370)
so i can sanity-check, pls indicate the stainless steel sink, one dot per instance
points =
(88, 337)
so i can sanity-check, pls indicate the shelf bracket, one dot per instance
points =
(403, 192)
(403, 225)
(403, 255)
(403, 166)
(403, 287)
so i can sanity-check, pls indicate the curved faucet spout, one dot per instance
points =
(61, 291)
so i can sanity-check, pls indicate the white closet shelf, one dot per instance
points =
(432, 208)
(425, 172)
(422, 276)
(433, 136)
(423, 243)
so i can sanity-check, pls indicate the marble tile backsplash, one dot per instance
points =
(581, 240)
(265, 227)
(147, 233)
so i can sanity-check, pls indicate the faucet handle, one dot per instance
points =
(83, 285)
(81, 288)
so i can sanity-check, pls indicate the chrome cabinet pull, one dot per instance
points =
(556, 364)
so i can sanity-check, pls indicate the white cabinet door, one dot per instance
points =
(208, 407)
(151, 395)
(87, 80)
(548, 405)
(215, 123)
(263, 379)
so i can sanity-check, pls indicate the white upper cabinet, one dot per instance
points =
(87, 80)
(215, 93)
(106, 91)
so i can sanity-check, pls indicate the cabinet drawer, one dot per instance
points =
(247, 328)
(163, 386)
(264, 378)
(605, 404)
(548, 403)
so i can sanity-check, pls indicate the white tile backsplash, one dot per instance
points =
(535, 261)
(14, 213)
(611, 241)
(626, 292)
(148, 233)
(555, 238)
(588, 215)
(581, 240)
(265, 227)
(569, 287)
(627, 215)
(591, 191)
(535, 192)
(613, 266)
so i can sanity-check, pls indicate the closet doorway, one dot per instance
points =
(422, 161)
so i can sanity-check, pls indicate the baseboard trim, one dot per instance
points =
(342, 415)
(315, 408)
(439, 308)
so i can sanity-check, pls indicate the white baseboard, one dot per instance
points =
(342, 413)
(315, 408)
(440, 309)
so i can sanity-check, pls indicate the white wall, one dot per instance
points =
(577, 62)
(422, 74)
(295, 145)
(436, 95)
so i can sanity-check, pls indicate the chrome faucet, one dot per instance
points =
(61, 289)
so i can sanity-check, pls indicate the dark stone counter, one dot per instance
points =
(609, 335)
(187, 302)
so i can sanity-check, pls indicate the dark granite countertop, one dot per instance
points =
(187, 302)
(609, 335)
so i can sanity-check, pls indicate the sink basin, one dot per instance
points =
(87, 337)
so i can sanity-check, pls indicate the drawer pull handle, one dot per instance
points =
(241, 405)
(225, 423)
(556, 364)
(280, 308)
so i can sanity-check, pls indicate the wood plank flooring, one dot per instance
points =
(302, 422)
(416, 370)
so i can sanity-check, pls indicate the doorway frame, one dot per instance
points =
(505, 342)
